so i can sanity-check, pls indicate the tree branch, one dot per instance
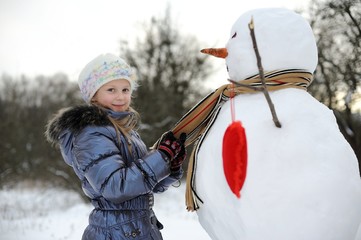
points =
(260, 89)
(261, 74)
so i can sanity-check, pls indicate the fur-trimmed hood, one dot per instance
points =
(74, 119)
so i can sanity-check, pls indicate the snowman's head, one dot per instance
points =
(285, 41)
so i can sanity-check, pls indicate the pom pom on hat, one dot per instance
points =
(101, 70)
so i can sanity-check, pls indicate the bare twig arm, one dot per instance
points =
(246, 86)
(261, 74)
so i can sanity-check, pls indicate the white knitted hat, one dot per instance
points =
(101, 70)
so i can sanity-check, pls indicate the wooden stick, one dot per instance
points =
(260, 89)
(261, 74)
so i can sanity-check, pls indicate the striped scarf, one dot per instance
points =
(196, 122)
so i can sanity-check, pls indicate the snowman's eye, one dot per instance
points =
(234, 35)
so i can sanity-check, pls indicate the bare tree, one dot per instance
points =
(337, 26)
(171, 73)
(25, 106)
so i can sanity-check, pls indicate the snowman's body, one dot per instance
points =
(302, 179)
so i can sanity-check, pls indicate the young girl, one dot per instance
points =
(116, 170)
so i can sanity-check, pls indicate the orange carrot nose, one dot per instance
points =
(217, 52)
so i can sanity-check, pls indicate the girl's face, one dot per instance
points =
(114, 95)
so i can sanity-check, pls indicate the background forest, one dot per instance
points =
(171, 73)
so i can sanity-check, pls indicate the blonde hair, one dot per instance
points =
(127, 124)
(124, 125)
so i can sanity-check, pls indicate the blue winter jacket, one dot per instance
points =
(119, 183)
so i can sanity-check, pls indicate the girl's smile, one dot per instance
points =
(114, 95)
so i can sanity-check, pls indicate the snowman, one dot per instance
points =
(301, 180)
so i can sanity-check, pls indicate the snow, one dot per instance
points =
(292, 47)
(302, 180)
(50, 213)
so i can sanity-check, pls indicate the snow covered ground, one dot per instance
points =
(48, 213)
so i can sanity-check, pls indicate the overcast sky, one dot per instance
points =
(50, 36)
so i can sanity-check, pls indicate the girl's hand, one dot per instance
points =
(169, 145)
(177, 162)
